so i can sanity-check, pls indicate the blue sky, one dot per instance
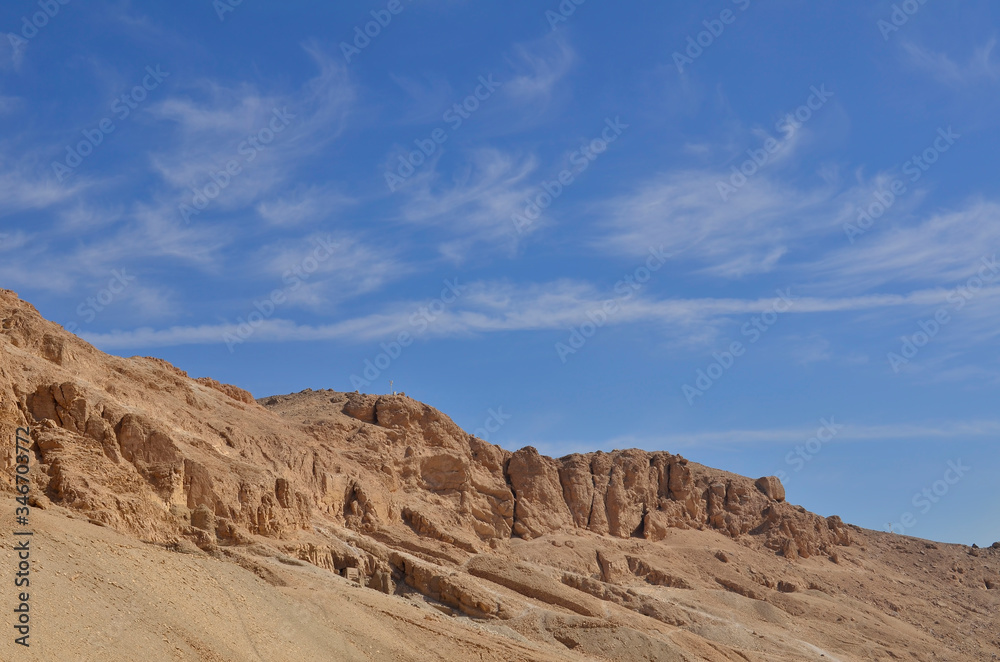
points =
(711, 229)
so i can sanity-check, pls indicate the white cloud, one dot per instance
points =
(88, 238)
(304, 205)
(11, 241)
(477, 206)
(945, 248)
(947, 430)
(684, 212)
(64, 263)
(212, 130)
(22, 189)
(348, 268)
(541, 65)
(980, 67)
(489, 307)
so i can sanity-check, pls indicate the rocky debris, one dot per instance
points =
(425, 526)
(381, 580)
(737, 587)
(72, 420)
(234, 392)
(203, 518)
(628, 599)
(771, 487)
(638, 494)
(655, 576)
(360, 406)
(655, 525)
(610, 641)
(531, 583)
(454, 589)
(166, 365)
(336, 556)
(495, 494)
(787, 587)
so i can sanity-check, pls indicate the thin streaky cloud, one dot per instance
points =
(499, 307)
(981, 66)
(946, 247)
(848, 433)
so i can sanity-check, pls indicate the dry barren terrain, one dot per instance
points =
(180, 519)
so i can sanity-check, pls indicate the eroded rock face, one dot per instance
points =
(130, 437)
(361, 406)
(638, 494)
(234, 392)
(492, 494)
(151, 466)
(540, 506)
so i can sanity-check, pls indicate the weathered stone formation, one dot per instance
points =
(624, 494)
(138, 445)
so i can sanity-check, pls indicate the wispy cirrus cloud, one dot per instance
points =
(350, 267)
(494, 307)
(850, 432)
(11, 241)
(980, 67)
(304, 205)
(945, 247)
(770, 221)
(142, 234)
(540, 68)
(213, 124)
(23, 188)
(477, 205)
(746, 234)
(94, 225)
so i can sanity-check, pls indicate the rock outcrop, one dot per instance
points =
(391, 494)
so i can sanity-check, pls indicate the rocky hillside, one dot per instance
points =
(627, 555)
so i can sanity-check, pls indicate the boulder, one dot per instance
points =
(771, 487)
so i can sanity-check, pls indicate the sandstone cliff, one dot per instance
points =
(392, 494)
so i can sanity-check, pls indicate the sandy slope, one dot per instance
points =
(99, 595)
